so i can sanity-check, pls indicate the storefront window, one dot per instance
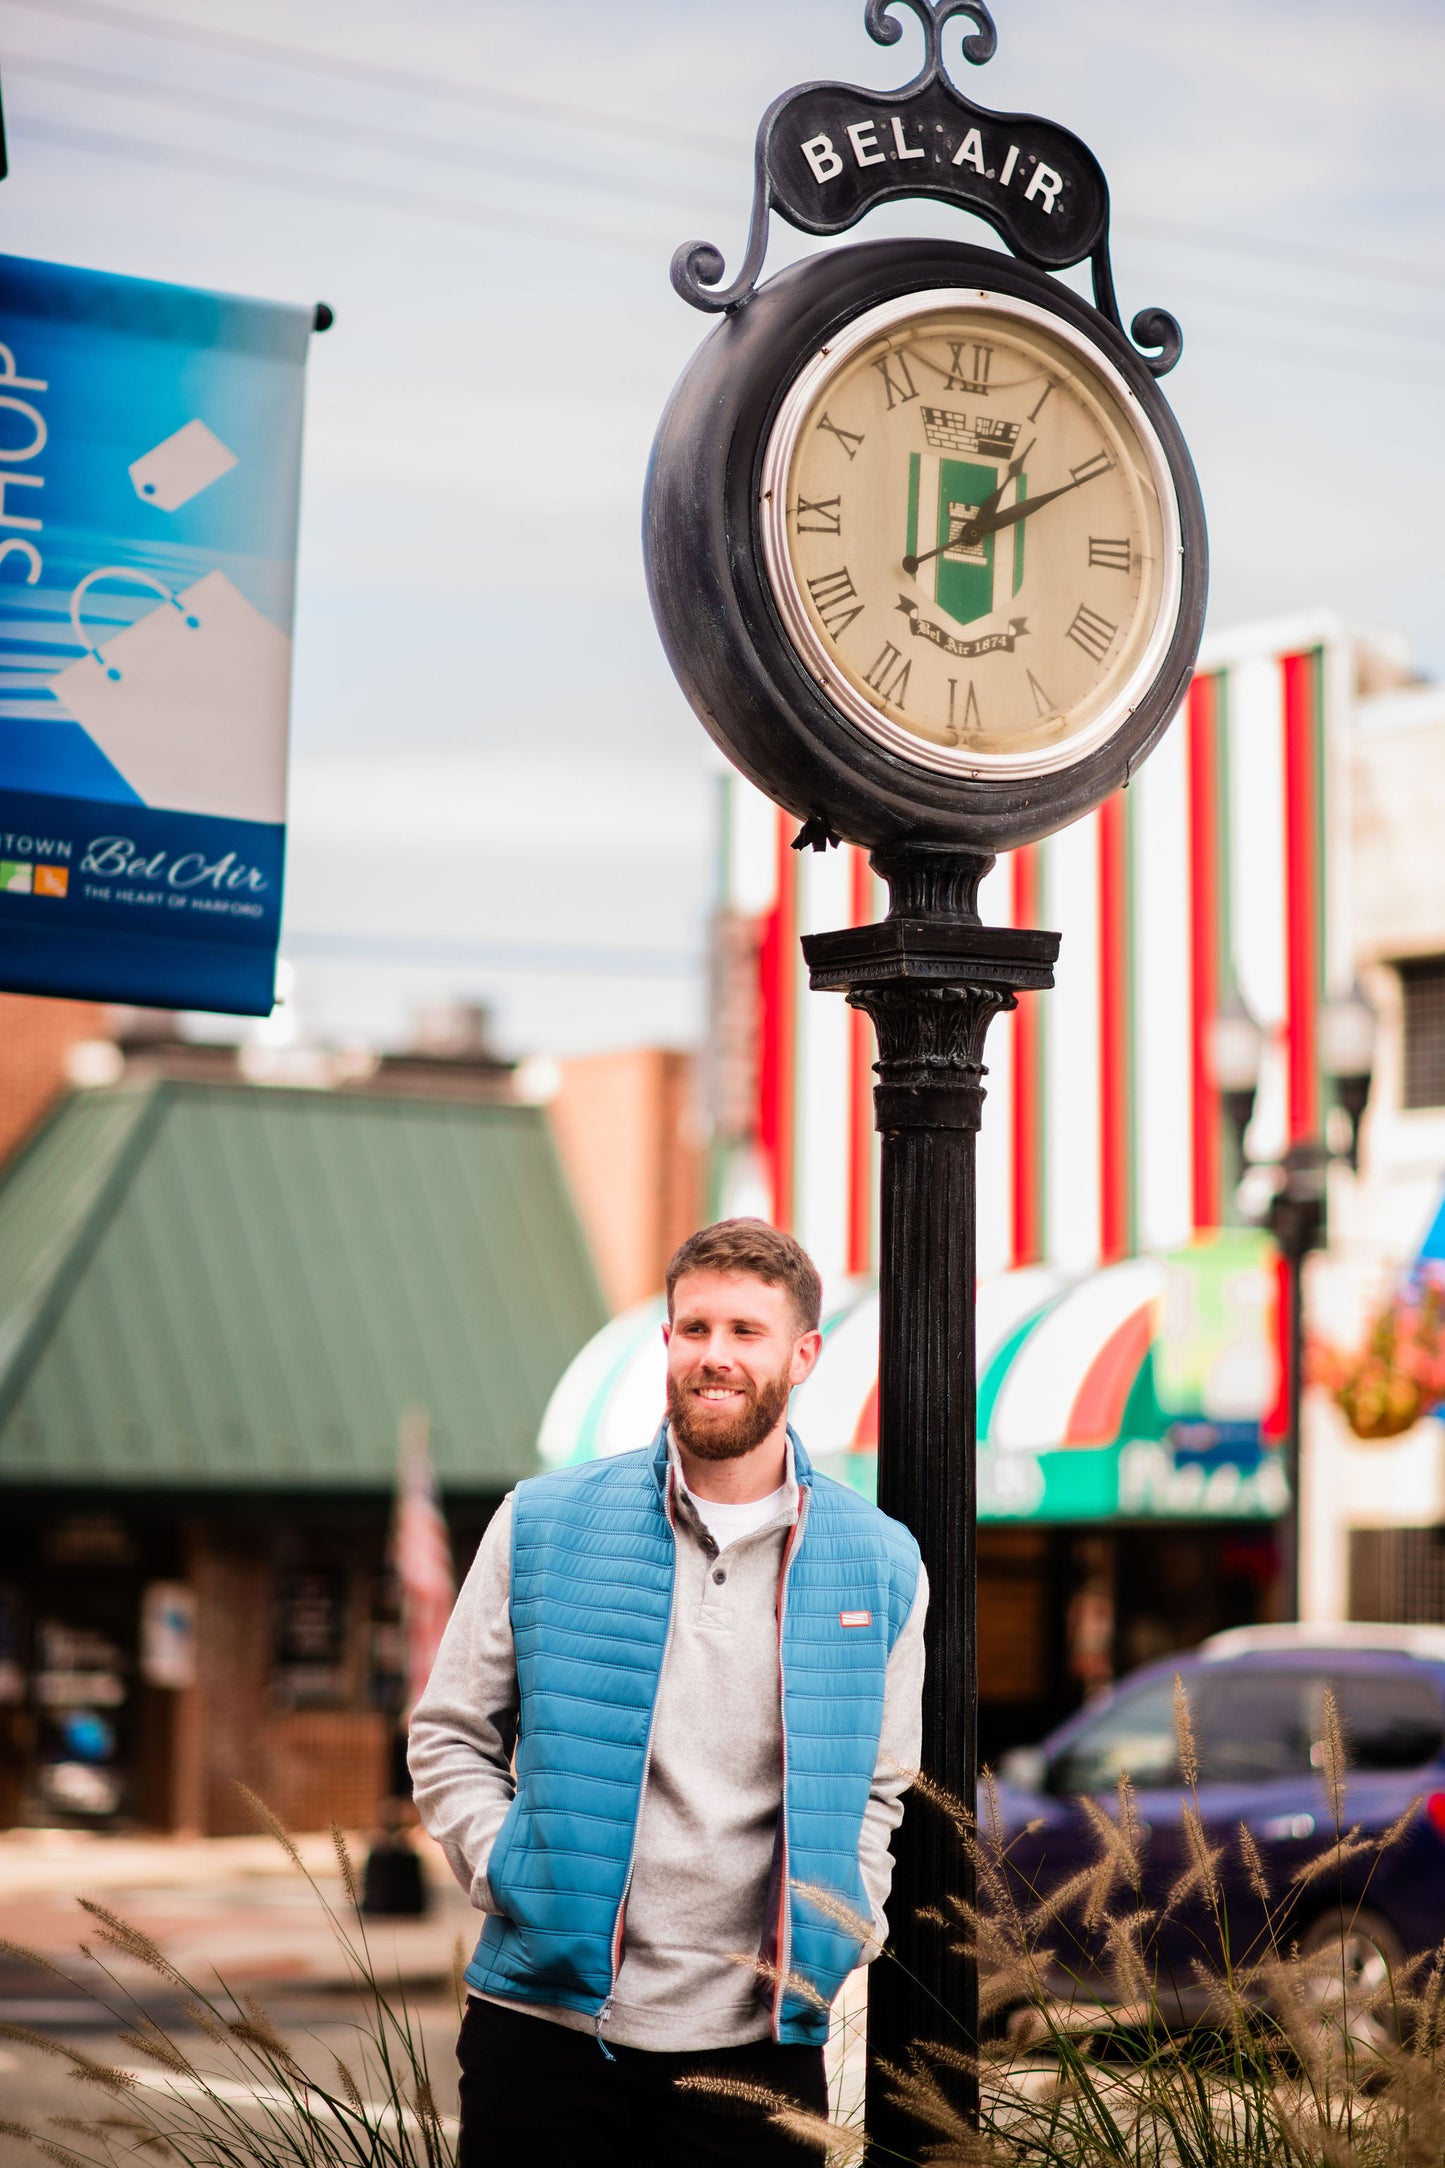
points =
(311, 1638)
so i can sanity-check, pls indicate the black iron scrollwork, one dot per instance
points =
(828, 153)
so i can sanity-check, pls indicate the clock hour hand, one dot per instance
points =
(984, 511)
(1015, 469)
(984, 523)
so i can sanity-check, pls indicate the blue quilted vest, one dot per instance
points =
(593, 1555)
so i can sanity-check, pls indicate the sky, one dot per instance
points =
(498, 791)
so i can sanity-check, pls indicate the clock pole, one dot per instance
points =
(932, 977)
(761, 642)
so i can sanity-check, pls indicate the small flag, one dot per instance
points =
(421, 1555)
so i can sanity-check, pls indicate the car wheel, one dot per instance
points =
(1349, 1964)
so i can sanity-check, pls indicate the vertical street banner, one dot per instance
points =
(150, 456)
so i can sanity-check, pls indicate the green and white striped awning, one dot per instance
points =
(1136, 1391)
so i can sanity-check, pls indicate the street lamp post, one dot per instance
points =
(1296, 1211)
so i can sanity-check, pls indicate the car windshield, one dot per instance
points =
(1134, 1735)
(1254, 1726)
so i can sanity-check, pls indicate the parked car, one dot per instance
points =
(1256, 1698)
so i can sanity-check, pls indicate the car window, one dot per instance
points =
(1253, 1726)
(1391, 1719)
(1135, 1733)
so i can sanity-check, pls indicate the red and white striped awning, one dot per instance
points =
(1158, 1356)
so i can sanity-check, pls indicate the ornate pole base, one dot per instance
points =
(932, 977)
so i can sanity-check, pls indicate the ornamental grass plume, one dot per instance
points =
(1087, 2059)
(243, 2100)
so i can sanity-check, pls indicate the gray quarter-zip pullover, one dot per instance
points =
(713, 1790)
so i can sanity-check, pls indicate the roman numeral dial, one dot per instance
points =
(967, 542)
(824, 517)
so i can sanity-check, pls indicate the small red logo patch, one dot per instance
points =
(855, 1618)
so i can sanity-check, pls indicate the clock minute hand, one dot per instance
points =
(991, 522)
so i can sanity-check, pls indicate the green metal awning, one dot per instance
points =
(230, 1288)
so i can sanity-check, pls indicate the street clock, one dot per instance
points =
(924, 541)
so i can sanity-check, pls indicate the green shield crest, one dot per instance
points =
(945, 490)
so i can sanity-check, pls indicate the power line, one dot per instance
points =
(1273, 250)
(499, 225)
(298, 180)
(1294, 308)
(642, 963)
(373, 136)
(413, 143)
(518, 104)
(650, 128)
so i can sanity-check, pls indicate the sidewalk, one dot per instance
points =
(232, 1905)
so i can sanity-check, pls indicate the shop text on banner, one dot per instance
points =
(150, 458)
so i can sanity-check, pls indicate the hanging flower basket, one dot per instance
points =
(1383, 1388)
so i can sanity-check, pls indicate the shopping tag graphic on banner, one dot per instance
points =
(151, 479)
(170, 474)
(189, 702)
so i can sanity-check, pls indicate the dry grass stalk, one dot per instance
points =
(835, 2141)
(47, 2146)
(205, 2020)
(1249, 1852)
(24, 1956)
(1184, 1733)
(840, 2144)
(934, 1795)
(837, 1909)
(1124, 1941)
(351, 2091)
(345, 1868)
(206, 2121)
(955, 2142)
(130, 1941)
(1330, 1861)
(1333, 1742)
(1286, 2060)
(147, 2140)
(741, 2090)
(272, 1822)
(158, 2047)
(1202, 1872)
(792, 1983)
(257, 2032)
(84, 2066)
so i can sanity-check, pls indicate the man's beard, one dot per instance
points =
(710, 1437)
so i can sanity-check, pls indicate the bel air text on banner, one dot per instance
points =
(150, 451)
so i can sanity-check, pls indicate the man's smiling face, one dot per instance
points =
(735, 1349)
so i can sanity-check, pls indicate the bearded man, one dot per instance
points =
(665, 1748)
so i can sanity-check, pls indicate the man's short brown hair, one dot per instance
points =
(752, 1246)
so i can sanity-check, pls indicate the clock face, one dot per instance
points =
(971, 533)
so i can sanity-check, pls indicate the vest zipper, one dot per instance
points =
(606, 2010)
(783, 1938)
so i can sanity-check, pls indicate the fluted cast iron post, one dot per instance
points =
(932, 977)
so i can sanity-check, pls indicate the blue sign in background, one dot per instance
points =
(150, 445)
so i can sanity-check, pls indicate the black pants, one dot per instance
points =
(535, 2095)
